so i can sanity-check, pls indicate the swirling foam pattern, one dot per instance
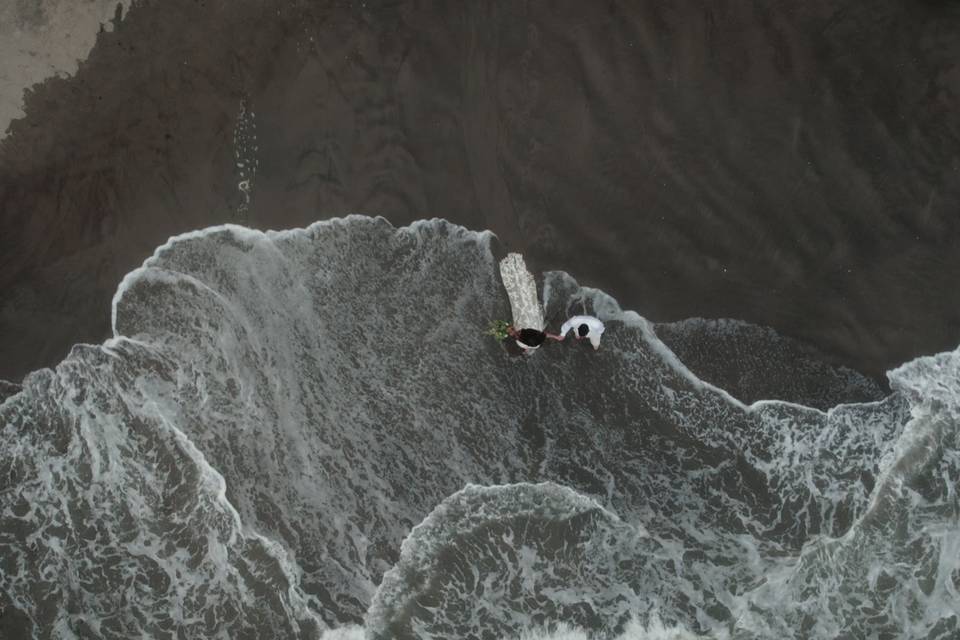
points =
(294, 433)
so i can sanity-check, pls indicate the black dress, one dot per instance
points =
(531, 338)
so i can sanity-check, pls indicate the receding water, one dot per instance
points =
(306, 433)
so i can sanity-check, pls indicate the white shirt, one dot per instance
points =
(594, 325)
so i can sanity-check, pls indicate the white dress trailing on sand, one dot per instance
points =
(522, 291)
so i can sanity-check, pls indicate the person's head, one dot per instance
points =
(582, 331)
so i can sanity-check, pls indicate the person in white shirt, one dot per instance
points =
(584, 327)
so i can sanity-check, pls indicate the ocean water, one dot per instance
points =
(305, 434)
(756, 363)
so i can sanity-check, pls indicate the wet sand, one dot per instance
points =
(794, 165)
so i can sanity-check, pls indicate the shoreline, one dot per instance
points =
(741, 177)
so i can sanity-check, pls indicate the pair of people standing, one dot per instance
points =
(528, 322)
(587, 327)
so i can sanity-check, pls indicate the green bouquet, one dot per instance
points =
(498, 329)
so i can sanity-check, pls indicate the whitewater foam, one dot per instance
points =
(294, 432)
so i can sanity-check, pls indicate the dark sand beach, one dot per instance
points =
(795, 165)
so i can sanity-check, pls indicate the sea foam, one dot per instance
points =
(295, 433)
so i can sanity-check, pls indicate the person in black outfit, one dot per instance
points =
(530, 339)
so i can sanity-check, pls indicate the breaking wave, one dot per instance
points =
(306, 434)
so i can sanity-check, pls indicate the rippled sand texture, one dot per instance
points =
(791, 164)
